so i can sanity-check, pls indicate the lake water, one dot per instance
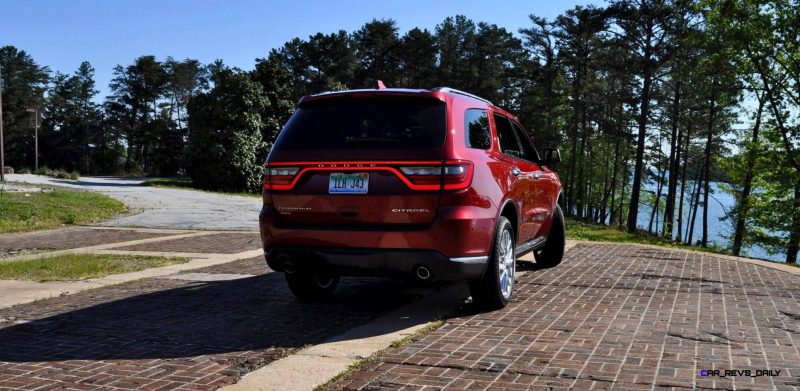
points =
(720, 232)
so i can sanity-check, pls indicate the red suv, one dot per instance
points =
(436, 184)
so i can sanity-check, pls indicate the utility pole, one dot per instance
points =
(35, 112)
(2, 147)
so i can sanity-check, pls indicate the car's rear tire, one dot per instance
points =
(553, 251)
(308, 287)
(496, 288)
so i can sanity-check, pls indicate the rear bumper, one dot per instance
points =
(454, 247)
(375, 262)
(456, 232)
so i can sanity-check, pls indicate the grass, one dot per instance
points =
(21, 211)
(187, 184)
(363, 362)
(578, 230)
(71, 267)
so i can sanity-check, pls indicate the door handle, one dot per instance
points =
(537, 175)
(515, 172)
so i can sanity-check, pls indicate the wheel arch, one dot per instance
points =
(510, 211)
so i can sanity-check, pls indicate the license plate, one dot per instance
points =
(341, 183)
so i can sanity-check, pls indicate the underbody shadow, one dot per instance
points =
(190, 319)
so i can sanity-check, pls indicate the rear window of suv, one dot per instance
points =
(365, 124)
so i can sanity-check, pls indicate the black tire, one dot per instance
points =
(493, 291)
(309, 287)
(553, 251)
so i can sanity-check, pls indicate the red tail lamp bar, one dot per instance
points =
(417, 175)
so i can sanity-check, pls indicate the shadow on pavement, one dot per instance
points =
(188, 319)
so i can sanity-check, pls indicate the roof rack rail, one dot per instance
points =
(455, 91)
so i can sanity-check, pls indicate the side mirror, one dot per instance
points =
(552, 156)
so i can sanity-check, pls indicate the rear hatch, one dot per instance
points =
(360, 160)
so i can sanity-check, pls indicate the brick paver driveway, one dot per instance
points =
(178, 332)
(611, 316)
(66, 238)
(614, 316)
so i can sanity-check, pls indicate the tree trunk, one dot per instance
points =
(580, 199)
(611, 188)
(674, 158)
(633, 209)
(622, 193)
(679, 236)
(709, 139)
(571, 175)
(744, 198)
(794, 235)
(693, 212)
(589, 182)
(654, 212)
(602, 203)
(573, 156)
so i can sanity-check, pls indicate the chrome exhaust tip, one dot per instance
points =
(285, 263)
(422, 272)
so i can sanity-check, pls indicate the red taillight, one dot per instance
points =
(423, 177)
(457, 174)
(279, 178)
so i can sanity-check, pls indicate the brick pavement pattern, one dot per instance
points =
(613, 317)
(68, 238)
(160, 334)
(221, 243)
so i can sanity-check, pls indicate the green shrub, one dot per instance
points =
(60, 174)
(69, 218)
(43, 170)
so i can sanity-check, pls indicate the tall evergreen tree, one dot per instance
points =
(225, 126)
(24, 85)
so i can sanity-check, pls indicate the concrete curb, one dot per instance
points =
(20, 292)
(91, 249)
(316, 365)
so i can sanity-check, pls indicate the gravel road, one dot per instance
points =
(153, 207)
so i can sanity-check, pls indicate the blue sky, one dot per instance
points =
(62, 34)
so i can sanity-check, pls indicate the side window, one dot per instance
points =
(509, 144)
(476, 127)
(529, 152)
